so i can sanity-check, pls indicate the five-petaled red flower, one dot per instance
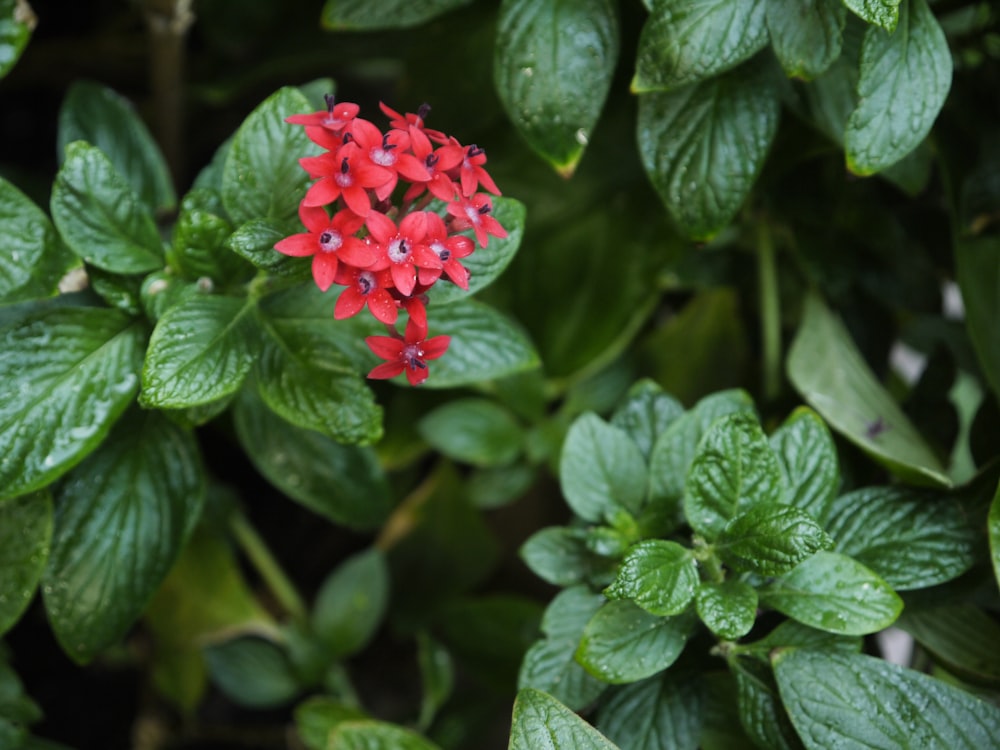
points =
(408, 353)
(329, 242)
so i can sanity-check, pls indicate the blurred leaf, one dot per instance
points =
(560, 555)
(541, 721)
(884, 13)
(977, 262)
(497, 486)
(25, 535)
(959, 636)
(770, 540)
(805, 34)
(437, 676)
(646, 414)
(254, 672)
(358, 15)
(728, 609)
(475, 431)
(658, 575)
(665, 711)
(351, 603)
(808, 461)
(318, 716)
(17, 21)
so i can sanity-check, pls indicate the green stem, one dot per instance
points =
(263, 561)
(770, 313)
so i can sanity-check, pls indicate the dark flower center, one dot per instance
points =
(330, 241)
(366, 282)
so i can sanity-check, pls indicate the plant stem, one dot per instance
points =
(404, 518)
(770, 313)
(263, 561)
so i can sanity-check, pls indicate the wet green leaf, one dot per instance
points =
(808, 461)
(254, 241)
(25, 534)
(884, 13)
(728, 609)
(962, 637)
(560, 555)
(993, 531)
(805, 34)
(770, 539)
(357, 15)
(646, 414)
(761, 714)
(665, 711)
(541, 722)
(199, 246)
(977, 261)
(658, 575)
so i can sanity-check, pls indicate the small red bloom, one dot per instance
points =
(335, 118)
(404, 247)
(389, 151)
(409, 353)
(412, 122)
(344, 174)
(438, 163)
(472, 174)
(365, 288)
(474, 213)
(449, 251)
(330, 242)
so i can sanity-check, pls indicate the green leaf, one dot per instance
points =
(734, 471)
(34, 258)
(357, 15)
(25, 534)
(623, 643)
(560, 555)
(262, 178)
(688, 41)
(376, 735)
(841, 700)
(66, 375)
(96, 114)
(437, 673)
(475, 431)
(791, 633)
(912, 539)
(17, 21)
(99, 215)
(254, 241)
(541, 722)
(703, 145)
(884, 13)
(728, 609)
(344, 483)
(601, 470)
(762, 716)
(806, 34)
(351, 603)
(977, 262)
(770, 540)
(826, 367)
(253, 671)
(808, 461)
(905, 78)
(959, 636)
(646, 413)
(200, 351)
(665, 711)
(318, 716)
(200, 243)
(993, 531)
(675, 448)
(832, 592)
(552, 68)
(658, 575)
(498, 486)
(121, 520)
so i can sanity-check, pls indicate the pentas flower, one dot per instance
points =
(438, 162)
(449, 250)
(412, 122)
(346, 174)
(388, 151)
(365, 289)
(329, 242)
(402, 248)
(334, 119)
(408, 353)
(474, 213)
(472, 174)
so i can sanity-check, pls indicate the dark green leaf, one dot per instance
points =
(497, 486)
(162, 290)
(17, 21)
(761, 714)
(658, 575)
(791, 633)
(66, 375)
(99, 215)
(200, 240)
(368, 734)
(805, 34)
(832, 592)
(770, 540)
(884, 13)
(734, 471)
(318, 716)
(475, 431)
(601, 470)
(961, 637)
(253, 671)
(808, 461)
(357, 15)
(34, 258)
(552, 69)
(665, 711)
(560, 555)
(826, 367)
(688, 41)
(623, 643)
(254, 241)
(993, 531)
(912, 539)
(728, 609)
(25, 534)
(646, 414)
(841, 700)
(200, 351)
(437, 674)
(703, 145)
(120, 292)
(262, 178)
(122, 517)
(541, 722)
(905, 78)
(351, 603)
(96, 114)
(977, 262)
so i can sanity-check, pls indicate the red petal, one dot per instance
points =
(323, 137)
(382, 306)
(386, 347)
(435, 347)
(348, 304)
(486, 181)
(412, 168)
(415, 332)
(324, 268)
(386, 370)
(356, 253)
(356, 198)
(417, 312)
(442, 187)
(427, 276)
(323, 165)
(298, 245)
(314, 218)
(382, 228)
(424, 257)
(414, 226)
(404, 277)
(365, 133)
(416, 375)
(322, 193)
(458, 273)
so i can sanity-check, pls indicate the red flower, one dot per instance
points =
(409, 353)
(365, 288)
(438, 162)
(404, 247)
(330, 242)
(474, 213)
(472, 174)
(449, 251)
(344, 173)
(389, 151)
(412, 122)
(335, 118)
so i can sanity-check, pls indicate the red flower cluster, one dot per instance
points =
(368, 229)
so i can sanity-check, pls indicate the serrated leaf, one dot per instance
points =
(835, 593)
(560, 555)
(357, 15)
(806, 34)
(601, 470)
(200, 242)
(255, 672)
(733, 471)
(770, 540)
(475, 431)
(66, 375)
(99, 215)
(884, 13)
(826, 367)
(96, 114)
(25, 534)
(824, 693)
(762, 716)
(17, 21)
(646, 413)
(254, 241)
(665, 711)
(200, 351)
(905, 78)
(808, 461)
(728, 609)
(121, 520)
(658, 575)
(703, 145)
(912, 539)
(623, 643)
(351, 603)
(262, 178)
(552, 68)
(688, 41)
(962, 637)
(341, 482)
(34, 258)
(541, 722)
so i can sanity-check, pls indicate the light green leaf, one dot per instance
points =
(25, 534)
(541, 722)
(688, 41)
(832, 592)
(658, 575)
(100, 217)
(253, 671)
(770, 540)
(552, 68)
(665, 711)
(884, 13)
(842, 700)
(977, 262)
(96, 114)
(17, 21)
(703, 145)
(826, 367)
(351, 603)
(200, 351)
(808, 461)
(905, 78)
(806, 34)
(475, 431)
(66, 375)
(121, 520)
(357, 15)
(733, 471)
(559, 555)
(728, 609)
(646, 413)
(960, 636)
